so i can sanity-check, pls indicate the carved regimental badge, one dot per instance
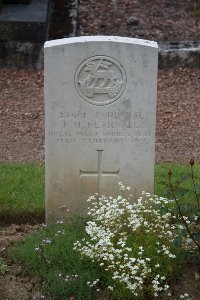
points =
(100, 80)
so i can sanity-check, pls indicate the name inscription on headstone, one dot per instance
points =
(110, 127)
(100, 108)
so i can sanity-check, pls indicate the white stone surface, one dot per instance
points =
(100, 114)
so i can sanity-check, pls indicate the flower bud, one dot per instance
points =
(170, 173)
(192, 162)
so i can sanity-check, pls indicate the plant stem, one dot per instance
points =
(180, 212)
(195, 191)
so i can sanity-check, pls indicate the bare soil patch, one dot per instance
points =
(16, 284)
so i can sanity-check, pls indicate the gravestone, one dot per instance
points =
(100, 115)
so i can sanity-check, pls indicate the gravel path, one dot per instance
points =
(22, 116)
(160, 20)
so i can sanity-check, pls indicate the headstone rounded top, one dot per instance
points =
(99, 38)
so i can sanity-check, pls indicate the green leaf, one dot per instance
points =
(197, 187)
(177, 242)
(163, 183)
(184, 177)
(197, 236)
(183, 191)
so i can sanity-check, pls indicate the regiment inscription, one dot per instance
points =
(100, 80)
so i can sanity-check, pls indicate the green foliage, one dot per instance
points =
(21, 188)
(178, 170)
(185, 190)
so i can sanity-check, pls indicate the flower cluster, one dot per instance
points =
(132, 241)
(186, 297)
(67, 277)
(47, 241)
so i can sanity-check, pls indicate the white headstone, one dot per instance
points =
(100, 114)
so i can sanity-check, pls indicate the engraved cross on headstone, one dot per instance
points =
(99, 173)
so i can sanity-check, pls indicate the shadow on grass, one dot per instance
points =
(22, 218)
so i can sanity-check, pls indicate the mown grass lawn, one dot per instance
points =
(22, 185)
(21, 190)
